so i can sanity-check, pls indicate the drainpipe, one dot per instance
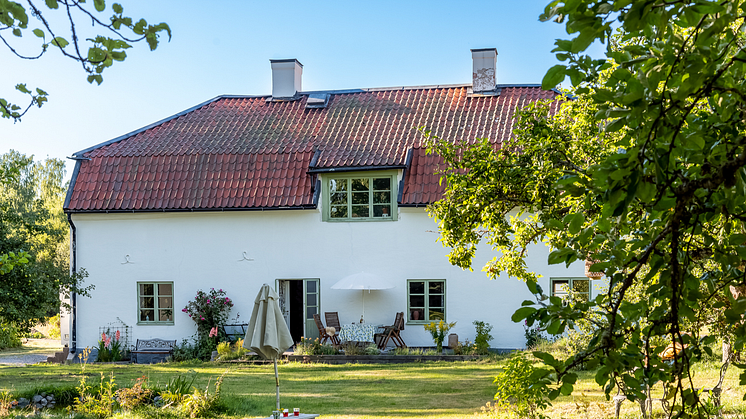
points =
(73, 296)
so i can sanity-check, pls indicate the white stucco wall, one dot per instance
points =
(202, 250)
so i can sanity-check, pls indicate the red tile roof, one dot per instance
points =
(251, 152)
(421, 185)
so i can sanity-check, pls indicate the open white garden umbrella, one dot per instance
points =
(363, 281)
(267, 333)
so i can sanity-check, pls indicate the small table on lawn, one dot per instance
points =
(358, 332)
(301, 416)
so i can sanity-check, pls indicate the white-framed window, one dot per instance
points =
(155, 303)
(575, 288)
(360, 196)
(426, 300)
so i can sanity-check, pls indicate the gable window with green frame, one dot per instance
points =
(360, 197)
(155, 303)
(426, 300)
(575, 288)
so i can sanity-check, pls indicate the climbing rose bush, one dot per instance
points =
(209, 310)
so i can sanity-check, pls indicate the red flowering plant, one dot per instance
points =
(109, 347)
(209, 310)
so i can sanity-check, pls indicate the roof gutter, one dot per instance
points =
(355, 169)
(73, 295)
(117, 211)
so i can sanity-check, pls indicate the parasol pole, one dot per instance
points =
(277, 383)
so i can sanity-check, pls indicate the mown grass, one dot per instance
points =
(432, 389)
(435, 389)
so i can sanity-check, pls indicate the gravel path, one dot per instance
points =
(24, 359)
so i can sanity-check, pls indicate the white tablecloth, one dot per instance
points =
(358, 332)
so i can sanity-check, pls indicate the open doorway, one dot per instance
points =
(299, 301)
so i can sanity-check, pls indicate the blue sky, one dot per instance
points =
(223, 47)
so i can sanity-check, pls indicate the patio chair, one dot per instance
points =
(332, 320)
(323, 334)
(392, 333)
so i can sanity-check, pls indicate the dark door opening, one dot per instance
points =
(296, 310)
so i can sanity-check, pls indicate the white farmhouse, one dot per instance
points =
(298, 190)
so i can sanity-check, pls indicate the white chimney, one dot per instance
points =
(286, 77)
(484, 77)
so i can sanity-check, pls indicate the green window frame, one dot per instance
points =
(426, 300)
(368, 196)
(571, 287)
(155, 303)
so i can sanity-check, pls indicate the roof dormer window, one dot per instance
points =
(360, 197)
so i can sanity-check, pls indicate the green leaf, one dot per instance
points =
(52, 4)
(554, 76)
(39, 33)
(566, 389)
(555, 327)
(554, 224)
(60, 42)
(522, 313)
(100, 5)
(574, 222)
(559, 256)
(547, 358)
(96, 55)
(95, 77)
(17, 32)
(117, 8)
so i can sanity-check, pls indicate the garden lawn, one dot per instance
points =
(432, 389)
(441, 390)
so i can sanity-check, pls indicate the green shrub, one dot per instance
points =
(181, 384)
(467, 348)
(228, 351)
(135, 396)
(371, 349)
(109, 347)
(183, 352)
(483, 338)
(98, 404)
(414, 351)
(533, 336)
(313, 347)
(351, 348)
(9, 336)
(517, 393)
(209, 310)
(202, 403)
(201, 349)
(224, 348)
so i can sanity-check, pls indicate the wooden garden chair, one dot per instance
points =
(325, 335)
(392, 332)
(332, 320)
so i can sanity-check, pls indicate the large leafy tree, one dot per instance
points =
(57, 26)
(642, 173)
(33, 230)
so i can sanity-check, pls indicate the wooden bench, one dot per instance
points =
(151, 351)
